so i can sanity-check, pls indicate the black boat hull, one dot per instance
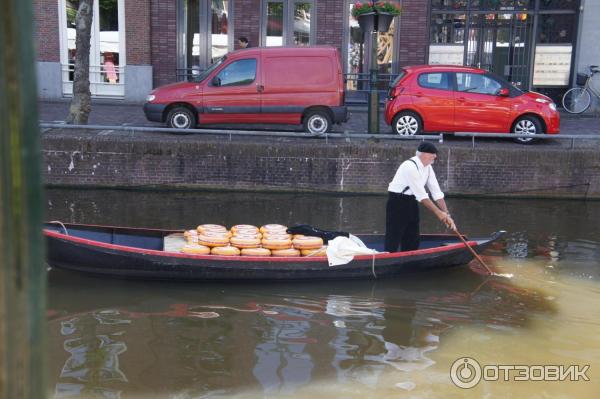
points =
(78, 252)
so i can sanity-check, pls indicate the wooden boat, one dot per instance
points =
(140, 253)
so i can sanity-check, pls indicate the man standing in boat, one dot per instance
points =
(405, 192)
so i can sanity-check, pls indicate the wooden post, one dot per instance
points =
(22, 270)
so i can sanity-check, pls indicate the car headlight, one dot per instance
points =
(150, 97)
(552, 106)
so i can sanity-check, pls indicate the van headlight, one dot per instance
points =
(552, 106)
(150, 97)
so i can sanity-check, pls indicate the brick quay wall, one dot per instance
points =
(137, 160)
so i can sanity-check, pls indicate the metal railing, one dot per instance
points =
(510, 136)
(345, 135)
(231, 133)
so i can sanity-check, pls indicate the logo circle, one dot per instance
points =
(465, 372)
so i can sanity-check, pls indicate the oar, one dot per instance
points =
(473, 252)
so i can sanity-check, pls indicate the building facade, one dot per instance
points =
(140, 44)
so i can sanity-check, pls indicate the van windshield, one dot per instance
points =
(208, 70)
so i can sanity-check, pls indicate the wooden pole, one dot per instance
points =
(22, 270)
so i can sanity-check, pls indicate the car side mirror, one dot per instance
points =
(216, 81)
(504, 92)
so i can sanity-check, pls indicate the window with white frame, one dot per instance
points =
(107, 46)
(288, 23)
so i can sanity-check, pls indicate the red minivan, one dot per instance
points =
(438, 98)
(284, 85)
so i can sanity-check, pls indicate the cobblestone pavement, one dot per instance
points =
(121, 114)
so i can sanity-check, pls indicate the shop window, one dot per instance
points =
(448, 4)
(502, 4)
(559, 5)
(219, 29)
(556, 28)
(447, 28)
(203, 34)
(107, 56)
(288, 23)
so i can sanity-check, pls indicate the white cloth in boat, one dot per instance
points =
(342, 250)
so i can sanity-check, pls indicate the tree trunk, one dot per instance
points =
(80, 108)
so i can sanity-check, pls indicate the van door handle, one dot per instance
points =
(461, 99)
(418, 94)
(260, 88)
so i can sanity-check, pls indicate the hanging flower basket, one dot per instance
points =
(367, 21)
(384, 21)
(375, 15)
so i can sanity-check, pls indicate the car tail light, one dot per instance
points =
(395, 91)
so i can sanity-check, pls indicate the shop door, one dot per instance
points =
(500, 43)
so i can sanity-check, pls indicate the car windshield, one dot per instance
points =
(208, 70)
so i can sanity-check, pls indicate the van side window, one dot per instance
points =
(477, 83)
(436, 80)
(238, 73)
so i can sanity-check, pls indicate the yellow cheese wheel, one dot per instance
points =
(256, 252)
(195, 249)
(307, 242)
(227, 251)
(285, 252)
(245, 242)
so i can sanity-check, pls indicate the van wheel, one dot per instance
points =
(407, 123)
(317, 122)
(526, 125)
(181, 118)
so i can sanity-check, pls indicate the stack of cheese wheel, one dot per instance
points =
(310, 246)
(245, 236)
(213, 235)
(277, 239)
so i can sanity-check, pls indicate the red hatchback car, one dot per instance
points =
(437, 98)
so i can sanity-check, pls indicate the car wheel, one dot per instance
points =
(181, 118)
(527, 125)
(317, 122)
(407, 124)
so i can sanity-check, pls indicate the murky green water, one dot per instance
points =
(348, 339)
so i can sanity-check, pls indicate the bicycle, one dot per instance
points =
(578, 99)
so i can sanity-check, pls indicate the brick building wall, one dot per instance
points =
(90, 160)
(46, 36)
(330, 23)
(246, 16)
(137, 32)
(163, 40)
(413, 35)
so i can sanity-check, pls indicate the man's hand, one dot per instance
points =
(450, 222)
(447, 220)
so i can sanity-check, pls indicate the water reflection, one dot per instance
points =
(219, 340)
(346, 339)
(94, 357)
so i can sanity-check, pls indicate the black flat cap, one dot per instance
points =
(427, 147)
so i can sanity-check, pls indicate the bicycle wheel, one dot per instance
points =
(576, 100)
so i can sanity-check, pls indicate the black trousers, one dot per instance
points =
(401, 223)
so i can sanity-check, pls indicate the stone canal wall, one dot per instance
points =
(140, 160)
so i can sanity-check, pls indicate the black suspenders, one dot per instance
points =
(406, 188)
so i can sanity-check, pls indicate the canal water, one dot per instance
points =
(397, 338)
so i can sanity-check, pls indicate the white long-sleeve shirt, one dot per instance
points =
(416, 177)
